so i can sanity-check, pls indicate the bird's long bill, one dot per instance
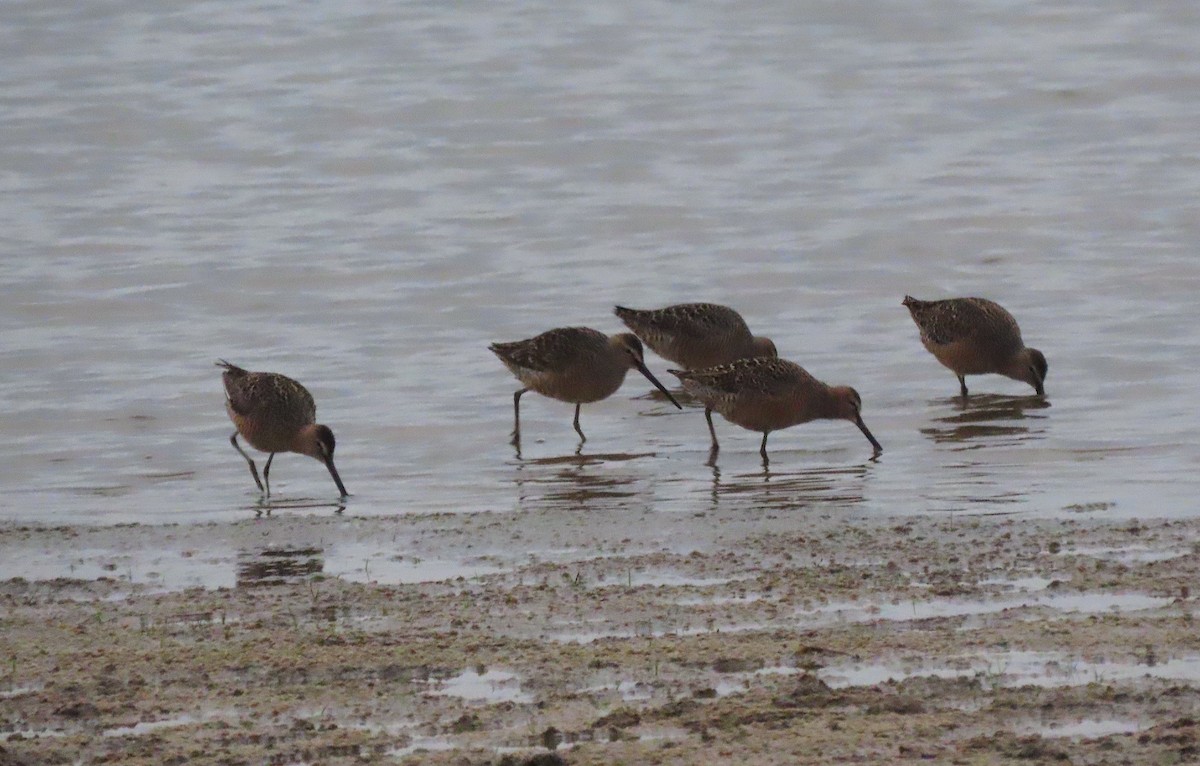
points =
(337, 479)
(645, 371)
(1040, 388)
(863, 427)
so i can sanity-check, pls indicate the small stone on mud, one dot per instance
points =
(623, 718)
(903, 705)
(736, 665)
(77, 710)
(551, 738)
(809, 692)
(541, 759)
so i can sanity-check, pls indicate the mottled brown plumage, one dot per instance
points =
(696, 335)
(275, 414)
(766, 394)
(975, 336)
(572, 364)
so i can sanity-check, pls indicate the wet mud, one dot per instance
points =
(529, 638)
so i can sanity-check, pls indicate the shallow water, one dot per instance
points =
(365, 196)
(1043, 669)
(491, 685)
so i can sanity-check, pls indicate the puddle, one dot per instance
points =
(31, 734)
(491, 686)
(743, 598)
(665, 578)
(145, 727)
(278, 566)
(1096, 603)
(629, 691)
(1129, 554)
(1086, 603)
(727, 682)
(727, 686)
(1069, 672)
(1086, 728)
(1023, 584)
(662, 734)
(646, 629)
(1042, 669)
(158, 569)
(423, 744)
(568, 740)
(368, 563)
(852, 611)
(737, 683)
(870, 675)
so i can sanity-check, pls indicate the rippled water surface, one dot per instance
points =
(364, 195)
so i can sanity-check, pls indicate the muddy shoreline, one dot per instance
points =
(814, 638)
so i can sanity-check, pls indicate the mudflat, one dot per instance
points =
(948, 640)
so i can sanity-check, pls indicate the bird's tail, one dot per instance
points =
(231, 368)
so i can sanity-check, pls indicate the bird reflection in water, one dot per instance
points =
(988, 418)
(265, 505)
(828, 486)
(575, 481)
(278, 566)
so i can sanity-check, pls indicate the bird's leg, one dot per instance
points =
(712, 431)
(253, 469)
(715, 448)
(267, 470)
(763, 449)
(579, 430)
(516, 434)
(962, 383)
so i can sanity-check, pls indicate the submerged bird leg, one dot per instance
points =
(712, 431)
(253, 470)
(267, 470)
(516, 434)
(962, 382)
(579, 430)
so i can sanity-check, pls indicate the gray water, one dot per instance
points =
(363, 195)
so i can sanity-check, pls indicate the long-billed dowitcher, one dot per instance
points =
(572, 364)
(766, 394)
(275, 414)
(696, 335)
(975, 336)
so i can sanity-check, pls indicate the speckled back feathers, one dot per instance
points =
(268, 396)
(553, 350)
(957, 319)
(767, 376)
(696, 335)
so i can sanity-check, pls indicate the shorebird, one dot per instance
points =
(275, 414)
(766, 394)
(696, 335)
(572, 364)
(975, 336)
